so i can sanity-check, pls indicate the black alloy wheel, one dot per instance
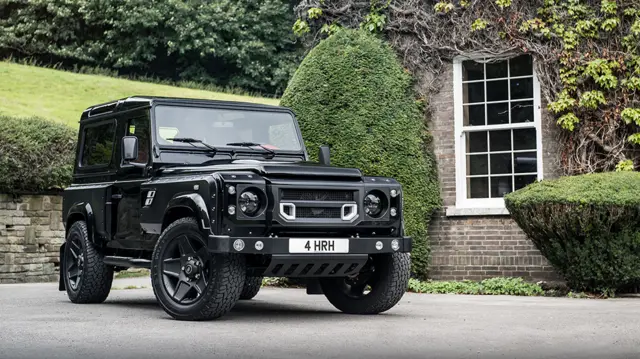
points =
(74, 258)
(376, 289)
(186, 269)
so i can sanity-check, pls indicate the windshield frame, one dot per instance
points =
(223, 149)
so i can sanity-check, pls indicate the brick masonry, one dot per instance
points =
(478, 247)
(31, 233)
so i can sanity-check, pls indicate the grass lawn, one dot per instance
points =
(62, 96)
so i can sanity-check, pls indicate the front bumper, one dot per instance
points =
(280, 245)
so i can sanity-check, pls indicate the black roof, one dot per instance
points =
(133, 102)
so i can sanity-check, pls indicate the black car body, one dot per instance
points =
(287, 216)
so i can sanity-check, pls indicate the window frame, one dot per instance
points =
(483, 206)
(109, 121)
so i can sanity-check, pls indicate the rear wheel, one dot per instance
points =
(87, 278)
(251, 287)
(376, 289)
(189, 282)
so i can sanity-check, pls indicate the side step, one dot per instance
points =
(127, 262)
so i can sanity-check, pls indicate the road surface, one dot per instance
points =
(37, 321)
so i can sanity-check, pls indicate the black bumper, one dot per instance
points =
(280, 245)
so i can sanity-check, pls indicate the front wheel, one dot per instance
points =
(251, 287)
(376, 289)
(189, 282)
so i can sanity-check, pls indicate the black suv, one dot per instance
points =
(212, 197)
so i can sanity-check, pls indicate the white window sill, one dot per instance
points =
(457, 211)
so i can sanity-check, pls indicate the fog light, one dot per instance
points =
(393, 193)
(238, 245)
(232, 190)
(232, 210)
(393, 211)
(259, 245)
(379, 245)
(395, 245)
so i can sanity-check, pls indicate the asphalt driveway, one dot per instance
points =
(37, 321)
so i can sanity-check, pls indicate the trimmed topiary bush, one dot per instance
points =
(36, 155)
(587, 226)
(352, 94)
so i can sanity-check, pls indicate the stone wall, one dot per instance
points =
(31, 233)
(471, 246)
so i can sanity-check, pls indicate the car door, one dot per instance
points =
(127, 193)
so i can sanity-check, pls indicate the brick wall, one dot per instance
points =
(31, 233)
(478, 247)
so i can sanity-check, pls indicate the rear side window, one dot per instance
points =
(98, 144)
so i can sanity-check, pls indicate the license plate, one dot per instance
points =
(318, 245)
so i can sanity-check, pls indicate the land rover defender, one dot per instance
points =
(213, 196)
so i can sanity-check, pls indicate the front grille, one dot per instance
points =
(316, 195)
(317, 212)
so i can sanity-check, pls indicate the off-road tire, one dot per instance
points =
(221, 294)
(394, 272)
(251, 288)
(95, 283)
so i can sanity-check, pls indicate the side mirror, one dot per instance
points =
(325, 155)
(130, 148)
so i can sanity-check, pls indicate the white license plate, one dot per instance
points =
(318, 245)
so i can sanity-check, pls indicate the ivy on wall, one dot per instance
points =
(587, 58)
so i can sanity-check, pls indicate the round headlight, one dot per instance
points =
(249, 203)
(372, 205)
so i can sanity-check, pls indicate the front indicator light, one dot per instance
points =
(231, 190)
(231, 210)
(395, 245)
(393, 212)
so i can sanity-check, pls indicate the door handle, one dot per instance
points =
(116, 196)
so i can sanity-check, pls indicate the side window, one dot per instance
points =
(98, 144)
(140, 127)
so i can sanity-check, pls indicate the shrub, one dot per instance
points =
(587, 226)
(35, 155)
(352, 94)
(492, 286)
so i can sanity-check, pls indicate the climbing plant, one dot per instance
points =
(587, 58)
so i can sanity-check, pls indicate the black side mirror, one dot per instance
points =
(325, 155)
(130, 148)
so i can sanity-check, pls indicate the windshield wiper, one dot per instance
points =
(191, 141)
(253, 144)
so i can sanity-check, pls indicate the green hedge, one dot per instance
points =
(587, 226)
(36, 155)
(352, 94)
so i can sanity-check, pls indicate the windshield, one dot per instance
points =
(218, 127)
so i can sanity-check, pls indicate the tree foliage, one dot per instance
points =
(586, 226)
(587, 57)
(351, 93)
(243, 43)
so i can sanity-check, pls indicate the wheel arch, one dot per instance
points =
(81, 211)
(187, 205)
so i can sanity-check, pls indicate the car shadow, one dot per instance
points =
(251, 310)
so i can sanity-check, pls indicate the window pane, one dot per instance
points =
(478, 187)
(522, 181)
(477, 165)
(141, 128)
(98, 145)
(520, 88)
(500, 140)
(474, 115)
(521, 66)
(501, 163)
(522, 111)
(497, 70)
(472, 70)
(500, 186)
(525, 162)
(498, 113)
(497, 90)
(474, 92)
(524, 139)
(477, 142)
